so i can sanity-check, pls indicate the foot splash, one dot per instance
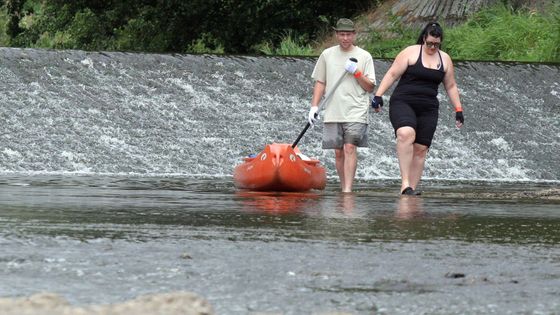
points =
(410, 192)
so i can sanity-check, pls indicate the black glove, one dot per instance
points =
(459, 117)
(376, 102)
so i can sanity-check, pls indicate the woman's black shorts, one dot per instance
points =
(422, 115)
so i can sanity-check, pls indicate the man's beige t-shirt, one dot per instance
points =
(349, 102)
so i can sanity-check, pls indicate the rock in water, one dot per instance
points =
(174, 303)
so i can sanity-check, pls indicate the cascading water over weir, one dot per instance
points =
(197, 115)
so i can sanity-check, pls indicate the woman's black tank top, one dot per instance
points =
(420, 83)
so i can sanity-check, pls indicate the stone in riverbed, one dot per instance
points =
(184, 303)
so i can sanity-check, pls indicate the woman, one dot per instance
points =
(414, 105)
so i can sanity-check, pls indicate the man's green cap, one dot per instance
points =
(344, 25)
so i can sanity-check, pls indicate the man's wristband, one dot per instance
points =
(357, 74)
(458, 109)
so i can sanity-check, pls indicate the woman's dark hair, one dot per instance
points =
(433, 29)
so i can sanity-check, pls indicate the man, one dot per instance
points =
(346, 111)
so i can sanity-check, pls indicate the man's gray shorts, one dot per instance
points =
(335, 135)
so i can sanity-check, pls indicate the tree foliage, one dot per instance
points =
(231, 26)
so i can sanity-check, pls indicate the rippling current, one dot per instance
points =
(115, 181)
(95, 239)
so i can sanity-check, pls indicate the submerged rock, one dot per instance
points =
(183, 303)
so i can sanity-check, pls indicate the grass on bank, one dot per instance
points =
(502, 34)
(290, 45)
(497, 33)
(4, 38)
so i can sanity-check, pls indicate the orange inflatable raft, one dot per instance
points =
(279, 167)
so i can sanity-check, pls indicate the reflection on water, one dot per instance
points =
(347, 202)
(409, 207)
(105, 239)
(369, 214)
(278, 203)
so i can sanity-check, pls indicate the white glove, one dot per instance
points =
(351, 66)
(311, 117)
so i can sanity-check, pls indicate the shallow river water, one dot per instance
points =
(460, 248)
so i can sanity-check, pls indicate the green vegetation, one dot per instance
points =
(392, 41)
(503, 34)
(4, 38)
(498, 33)
(194, 26)
(288, 47)
(271, 27)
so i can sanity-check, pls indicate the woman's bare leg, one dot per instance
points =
(405, 152)
(417, 167)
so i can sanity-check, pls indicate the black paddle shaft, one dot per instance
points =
(324, 101)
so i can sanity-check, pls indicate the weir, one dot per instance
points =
(75, 112)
